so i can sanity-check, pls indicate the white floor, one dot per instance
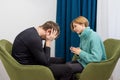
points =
(116, 72)
(3, 73)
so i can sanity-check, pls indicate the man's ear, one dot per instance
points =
(48, 31)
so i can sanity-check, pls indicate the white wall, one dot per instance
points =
(108, 19)
(102, 19)
(108, 25)
(17, 15)
(114, 18)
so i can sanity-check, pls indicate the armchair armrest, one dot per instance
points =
(94, 71)
(18, 71)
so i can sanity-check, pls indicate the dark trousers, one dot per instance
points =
(64, 71)
(75, 66)
(60, 70)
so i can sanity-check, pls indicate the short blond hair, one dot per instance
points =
(80, 20)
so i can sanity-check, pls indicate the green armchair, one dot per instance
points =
(104, 69)
(18, 71)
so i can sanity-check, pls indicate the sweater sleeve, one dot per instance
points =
(47, 52)
(95, 53)
(41, 54)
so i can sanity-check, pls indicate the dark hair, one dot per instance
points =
(51, 25)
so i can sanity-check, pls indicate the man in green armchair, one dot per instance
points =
(28, 49)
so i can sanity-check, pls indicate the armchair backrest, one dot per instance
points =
(4, 44)
(111, 46)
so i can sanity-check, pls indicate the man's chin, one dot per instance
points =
(42, 38)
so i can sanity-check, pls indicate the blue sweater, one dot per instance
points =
(92, 47)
